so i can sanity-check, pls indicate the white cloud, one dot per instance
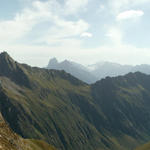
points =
(64, 30)
(101, 7)
(50, 12)
(23, 22)
(118, 51)
(86, 34)
(130, 14)
(115, 35)
(71, 28)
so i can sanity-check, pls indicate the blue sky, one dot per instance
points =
(86, 31)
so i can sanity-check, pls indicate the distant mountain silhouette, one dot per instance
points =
(104, 69)
(97, 71)
(73, 68)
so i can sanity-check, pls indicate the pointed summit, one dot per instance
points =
(6, 62)
(13, 70)
(53, 60)
(52, 63)
(5, 55)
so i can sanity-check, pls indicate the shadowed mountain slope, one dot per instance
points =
(46, 108)
(58, 108)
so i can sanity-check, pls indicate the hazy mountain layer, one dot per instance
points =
(102, 70)
(56, 107)
(95, 72)
(73, 68)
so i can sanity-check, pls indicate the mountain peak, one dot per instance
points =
(6, 61)
(4, 53)
(5, 56)
(13, 70)
(53, 62)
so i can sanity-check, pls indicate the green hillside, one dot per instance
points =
(40, 103)
(56, 107)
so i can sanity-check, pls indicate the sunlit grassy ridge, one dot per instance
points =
(11, 141)
(38, 145)
(144, 147)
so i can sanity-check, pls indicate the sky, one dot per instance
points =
(84, 31)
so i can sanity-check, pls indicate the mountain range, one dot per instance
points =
(95, 72)
(75, 69)
(56, 107)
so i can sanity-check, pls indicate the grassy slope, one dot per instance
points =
(10, 140)
(126, 98)
(38, 145)
(47, 104)
(48, 114)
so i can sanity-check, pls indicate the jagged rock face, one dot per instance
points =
(111, 114)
